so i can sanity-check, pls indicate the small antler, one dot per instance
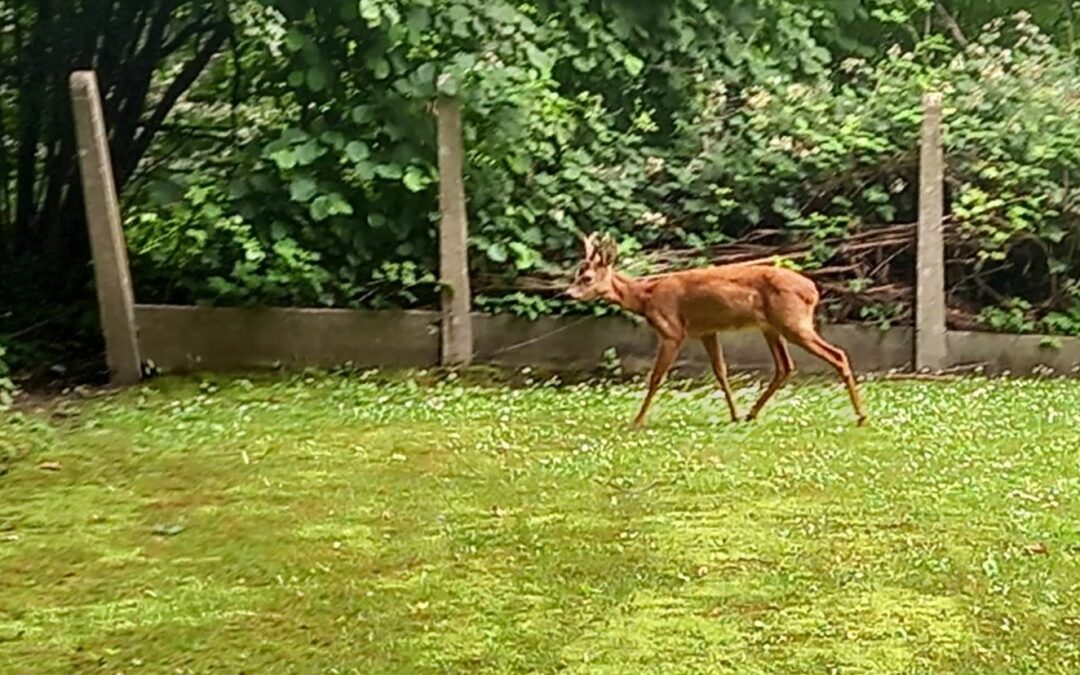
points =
(608, 249)
(590, 245)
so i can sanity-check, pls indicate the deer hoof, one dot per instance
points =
(862, 421)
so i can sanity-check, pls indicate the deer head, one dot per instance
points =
(597, 269)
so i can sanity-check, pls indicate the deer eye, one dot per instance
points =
(587, 277)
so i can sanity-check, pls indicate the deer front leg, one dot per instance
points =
(665, 356)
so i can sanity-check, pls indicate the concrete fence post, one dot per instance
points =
(112, 275)
(931, 348)
(457, 330)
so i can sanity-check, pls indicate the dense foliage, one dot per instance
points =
(282, 151)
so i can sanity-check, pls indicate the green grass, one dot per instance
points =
(352, 524)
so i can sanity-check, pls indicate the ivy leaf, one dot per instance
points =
(366, 171)
(357, 151)
(497, 252)
(419, 20)
(379, 67)
(503, 13)
(414, 179)
(633, 65)
(335, 139)
(294, 135)
(540, 59)
(362, 113)
(526, 257)
(338, 206)
(388, 171)
(317, 79)
(303, 189)
(309, 152)
(369, 11)
(284, 158)
(458, 13)
(295, 40)
(320, 208)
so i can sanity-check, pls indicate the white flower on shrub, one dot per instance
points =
(653, 218)
(758, 100)
(797, 90)
(852, 64)
(782, 143)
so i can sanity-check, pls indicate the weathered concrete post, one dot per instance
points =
(457, 333)
(111, 271)
(931, 348)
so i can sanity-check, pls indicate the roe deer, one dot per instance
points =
(701, 303)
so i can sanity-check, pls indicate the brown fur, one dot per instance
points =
(702, 303)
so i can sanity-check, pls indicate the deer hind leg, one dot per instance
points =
(809, 339)
(716, 358)
(784, 367)
(665, 356)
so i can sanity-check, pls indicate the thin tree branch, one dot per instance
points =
(951, 25)
(179, 86)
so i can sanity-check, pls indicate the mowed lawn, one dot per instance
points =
(416, 524)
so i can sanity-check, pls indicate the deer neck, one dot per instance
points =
(628, 293)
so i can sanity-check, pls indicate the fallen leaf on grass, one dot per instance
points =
(168, 530)
(50, 466)
(1038, 548)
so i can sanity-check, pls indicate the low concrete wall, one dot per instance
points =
(1019, 354)
(183, 339)
(180, 339)
(561, 343)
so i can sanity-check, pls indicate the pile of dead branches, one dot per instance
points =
(866, 275)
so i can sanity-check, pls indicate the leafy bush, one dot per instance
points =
(7, 386)
(683, 124)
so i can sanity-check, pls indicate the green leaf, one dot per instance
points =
(309, 152)
(317, 79)
(633, 65)
(295, 40)
(458, 14)
(284, 158)
(380, 68)
(369, 11)
(334, 139)
(414, 179)
(366, 171)
(388, 171)
(303, 189)
(294, 135)
(540, 59)
(239, 188)
(338, 206)
(357, 151)
(320, 208)
(362, 114)
(419, 20)
(497, 252)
